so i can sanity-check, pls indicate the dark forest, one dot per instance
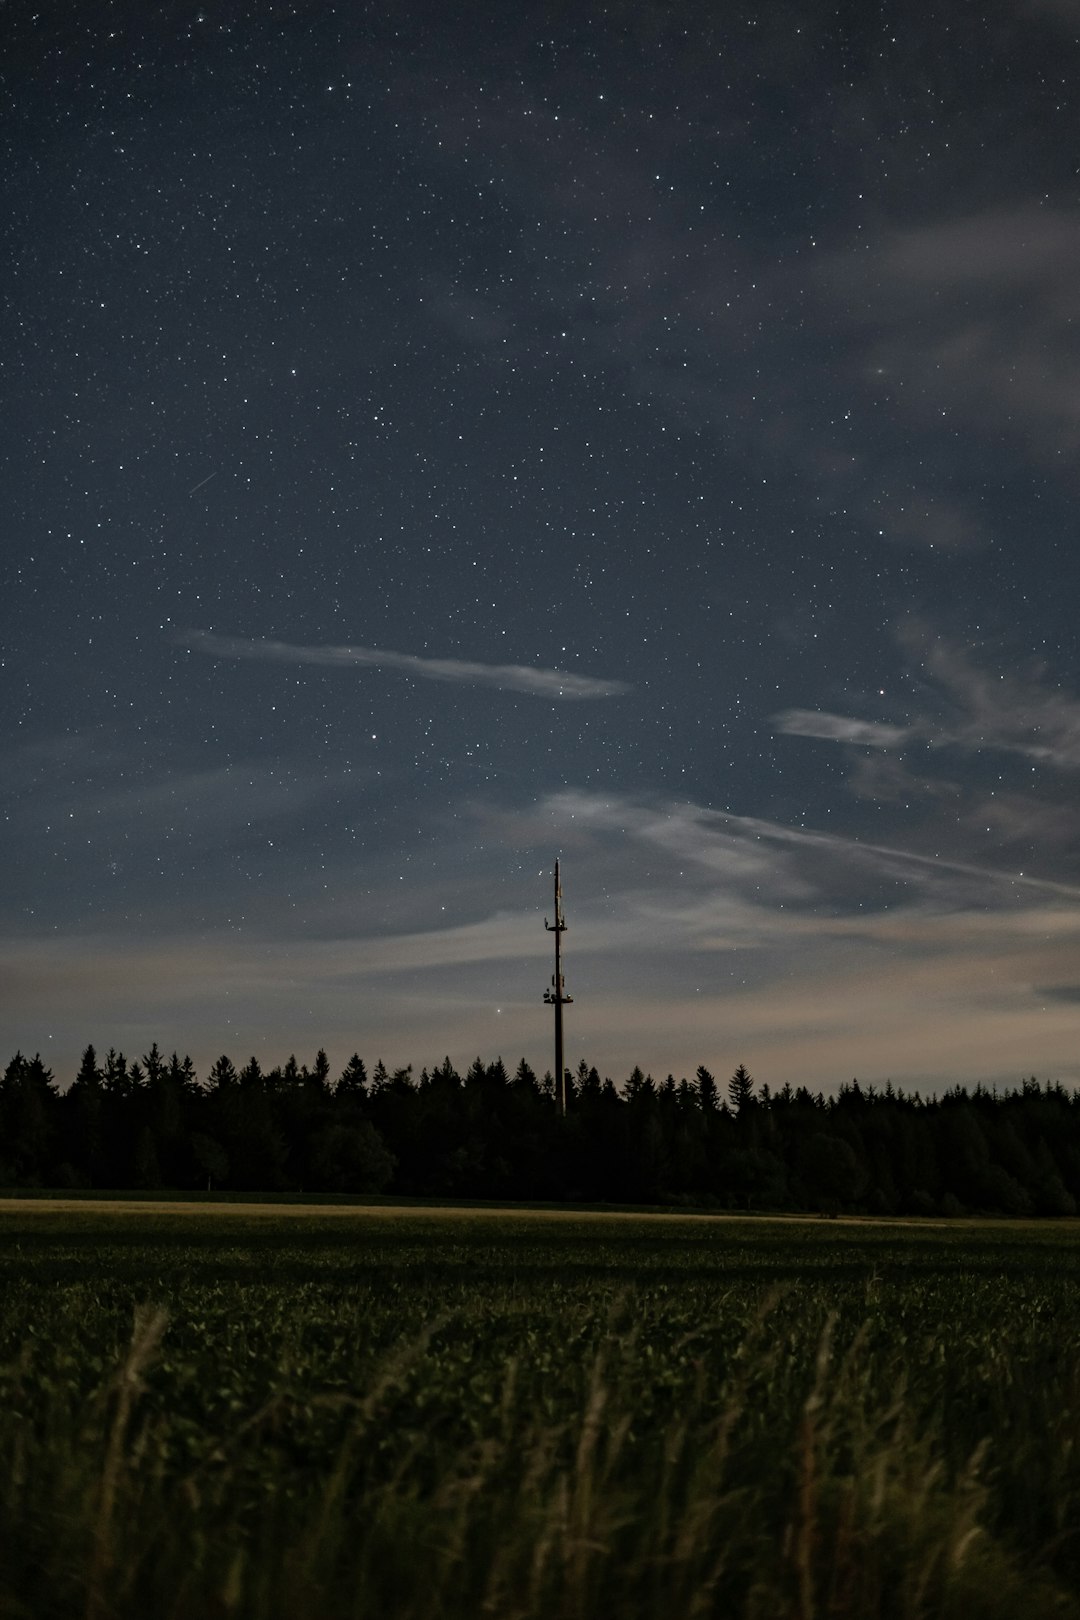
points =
(488, 1134)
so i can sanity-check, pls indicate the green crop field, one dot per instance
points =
(379, 1412)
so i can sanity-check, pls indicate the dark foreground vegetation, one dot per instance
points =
(537, 1417)
(492, 1135)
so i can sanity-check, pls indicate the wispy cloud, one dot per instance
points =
(926, 519)
(1013, 711)
(553, 684)
(1065, 12)
(973, 318)
(96, 789)
(840, 728)
(784, 877)
(1031, 247)
(971, 707)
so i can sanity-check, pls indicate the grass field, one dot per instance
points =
(389, 1412)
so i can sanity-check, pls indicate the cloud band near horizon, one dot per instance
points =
(554, 684)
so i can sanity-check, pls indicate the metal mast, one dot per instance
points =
(556, 996)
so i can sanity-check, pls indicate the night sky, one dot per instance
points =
(440, 438)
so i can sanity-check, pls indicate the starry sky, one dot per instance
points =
(437, 438)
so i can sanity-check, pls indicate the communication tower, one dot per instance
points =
(556, 996)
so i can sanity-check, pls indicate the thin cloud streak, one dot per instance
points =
(978, 709)
(771, 859)
(553, 684)
(840, 728)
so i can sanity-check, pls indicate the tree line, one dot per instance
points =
(489, 1134)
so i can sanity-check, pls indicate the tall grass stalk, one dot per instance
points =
(116, 1471)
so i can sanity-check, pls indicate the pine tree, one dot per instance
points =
(708, 1091)
(182, 1076)
(154, 1065)
(89, 1075)
(589, 1085)
(115, 1078)
(741, 1089)
(446, 1077)
(28, 1116)
(524, 1078)
(635, 1084)
(317, 1079)
(83, 1107)
(352, 1081)
(251, 1074)
(223, 1076)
